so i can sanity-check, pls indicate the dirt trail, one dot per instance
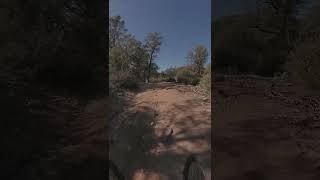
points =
(253, 135)
(142, 148)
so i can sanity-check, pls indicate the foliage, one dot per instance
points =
(197, 58)
(116, 30)
(154, 70)
(58, 43)
(170, 74)
(47, 48)
(259, 42)
(205, 81)
(153, 42)
(186, 76)
(129, 84)
(128, 60)
(128, 57)
(236, 48)
(240, 48)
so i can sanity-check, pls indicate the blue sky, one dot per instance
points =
(183, 23)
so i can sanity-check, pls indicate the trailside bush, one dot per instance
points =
(187, 77)
(170, 79)
(170, 74)
(129, 84)
(205, 81)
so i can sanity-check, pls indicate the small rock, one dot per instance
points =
(168, 134)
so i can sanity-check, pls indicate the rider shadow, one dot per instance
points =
(135, 139)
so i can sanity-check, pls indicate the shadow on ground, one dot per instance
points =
(138, 144)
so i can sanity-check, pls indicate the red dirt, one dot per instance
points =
(153, 110)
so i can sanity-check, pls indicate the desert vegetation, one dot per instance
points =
(53, 65)
(277, 38)
(132, 62)
(259, 42)
(194, 71)
(265, 92)
(152, 107)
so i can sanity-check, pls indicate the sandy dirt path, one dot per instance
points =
(143, 149)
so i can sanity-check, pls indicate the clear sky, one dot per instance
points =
(183, 23)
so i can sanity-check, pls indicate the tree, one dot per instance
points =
(153, 42)
(137, 56)
(154, 70)
(170, 72)
(130, 59)
(197, 58)
(47, 46)
(117, 30)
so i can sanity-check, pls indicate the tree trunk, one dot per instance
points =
(149, 70)
(149, 67)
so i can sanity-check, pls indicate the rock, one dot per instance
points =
(169, 132)
(168, 135)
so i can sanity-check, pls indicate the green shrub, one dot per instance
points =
(187, 77)
(129, 84)
(170, 79)
(205, 81)
(170, 74)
